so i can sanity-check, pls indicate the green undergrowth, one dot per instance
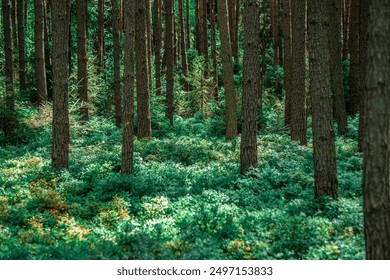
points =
(186, 199)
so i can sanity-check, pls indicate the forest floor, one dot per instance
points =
(186, 199)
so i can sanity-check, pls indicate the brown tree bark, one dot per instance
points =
(298, 93)
(228, 76)
(376, 185)
(128, 94)
(354, 105)
(184, 64)
(170, 59)
(214, 47)
(61, 138)
(335, 63)
(287, 61)
(325, 173)
(22, 46)
(149, 39)
(158, 43)
(100, 35)
(117, 53)
(82, 76)
(188, 25)
(347, 4)
(142, 84)
(250, 86)
(8, 118)
(363, 55)
(39, 47)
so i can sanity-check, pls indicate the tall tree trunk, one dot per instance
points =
(376, 186)
(100, 35)
(158, 43)
(8, 120)
(149, 39)
(363, 38)
(325, 173)
(214, 47)
(336, 71)
(142, 84)
(205, 37)
(22, 46)
(298, 93)
(188, 25)
(228, 76)
(346, 27)
(128, 94)
(287, 61)
(82, 28)
(117, 53)
(355, 98)
(275, 29)
(60, 148)
(250, 87)
(170, 59)
(39, 45)
(184, 65)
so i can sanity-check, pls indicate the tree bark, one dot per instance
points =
(325, 173)
(354, 105)
(250, 87)
(39, 46)
(184, 64)
(60, 149)
(158, 43)
(82, 77)
(298, 93)
(100, 35)
(376, 185)
(22, 46)
(287, 61)
(142, 84)
(117, 54)
(228, 76)
(128, 95)
(170, 59)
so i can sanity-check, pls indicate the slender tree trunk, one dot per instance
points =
(158, 44)
(298, 93)
(346, 27)
(60, 149)
(214, 47)
(128, 94)
(184, 65)
(117, 53)
(363, 38)
(142, 84)
(376, 186)
(82, 77)
(228, 76)
(8, 118)
(149, 39)
(287, 61)
(325, 173)
(205, 37)
(336, 71)
(188, 25)
(22, 46)
(100, 35)
(354, 105)
(170, 59)
(250, 87)
(39, 45)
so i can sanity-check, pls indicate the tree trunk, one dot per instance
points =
(298, 93)
(325, 173)
(376, 185)
(346, 27)
(170, 59)
(9, 121)
(228, 76)
(22, 46)
(188, 25)
(158, 43)
(82, 60)
(184, 65)
(60, 149)
(128, 94)
(287, 61)
(39, 45)
(100, 35)
(250, 87)
(354, 105)
(142, 85)
(214, 47)
(117, 54)
(336, 71)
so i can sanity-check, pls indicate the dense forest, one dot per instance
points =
(194, 129)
